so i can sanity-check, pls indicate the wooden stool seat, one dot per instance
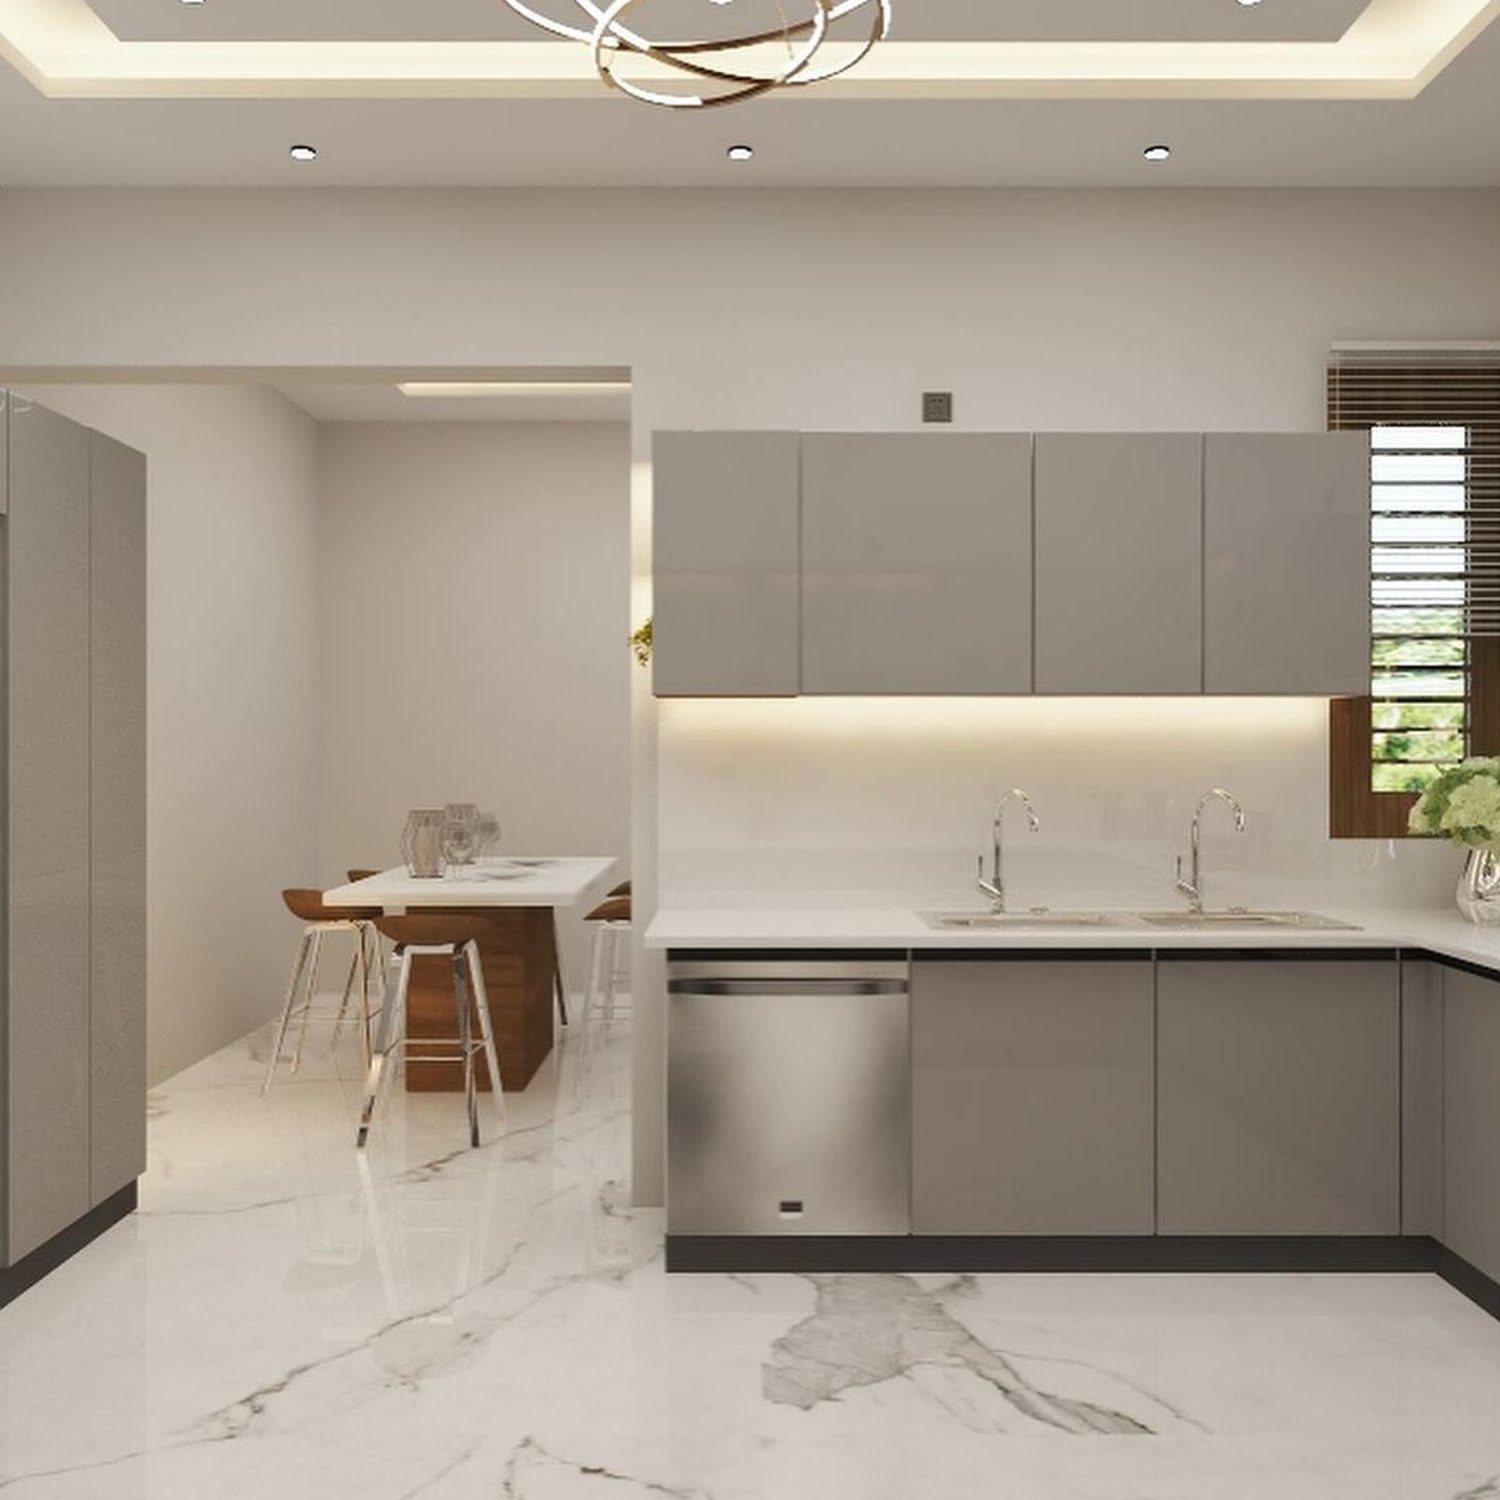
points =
(309, 906)
(615, 909)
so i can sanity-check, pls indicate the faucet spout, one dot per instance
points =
(994, 887)
(1191, 886)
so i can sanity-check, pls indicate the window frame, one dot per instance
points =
(1356, 810)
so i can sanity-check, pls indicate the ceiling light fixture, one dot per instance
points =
(478, 389)
(787, 54)
(741, 153)
(1157, 153)
(303, 153)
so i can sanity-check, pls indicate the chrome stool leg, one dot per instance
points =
(307, 999)
(465, 1043)
(287, 1008)
(382, 1062)
(486, 1031)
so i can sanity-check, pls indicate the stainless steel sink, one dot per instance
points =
(1241, 920)
(974, 921)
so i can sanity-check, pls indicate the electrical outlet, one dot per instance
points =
(937, 406)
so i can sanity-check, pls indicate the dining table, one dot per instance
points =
(516, 899)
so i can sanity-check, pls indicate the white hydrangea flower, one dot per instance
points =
(1474, 806)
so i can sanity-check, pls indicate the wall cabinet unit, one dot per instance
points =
(1279, 1096)
(727, 521)
(1286, 532)
(916, 563)
(1119, 554)
(995, 563)
(1471, 1118)
(1032, 1096)
(72, 1064)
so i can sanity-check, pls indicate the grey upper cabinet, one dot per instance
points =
(117, 816)
(726, 522)
(1032, 1097)
(1119, 556)
(47, 858)
(1287, 563)
(916, 563)
(1279, 1096)
(1471, 1115)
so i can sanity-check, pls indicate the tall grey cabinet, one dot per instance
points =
(72, 1042)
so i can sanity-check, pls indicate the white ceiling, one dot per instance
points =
(916, 20)
(1448, 136)
(365, 401)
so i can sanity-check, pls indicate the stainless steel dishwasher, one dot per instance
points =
(788, 1097)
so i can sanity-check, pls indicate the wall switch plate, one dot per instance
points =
(937, 406)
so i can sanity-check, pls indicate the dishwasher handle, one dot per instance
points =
(810, 987)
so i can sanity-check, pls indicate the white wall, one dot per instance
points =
(231, 700)
(1189, 310)
(473, 613)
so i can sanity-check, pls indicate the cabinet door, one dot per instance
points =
(1119, 563)
(1032, 1097)
(1279, 1096)
(1471, 1119)
(916, 563)
(117, 816)
(726, 512)
(1287, 563)
(1421, 1098)
(47, 997)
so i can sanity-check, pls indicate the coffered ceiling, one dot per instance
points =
(968, 92)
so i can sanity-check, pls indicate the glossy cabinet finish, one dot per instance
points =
(916, 563)
(1279, 1096)
(1032, 1097)
(1422, 1098)
(47, 978)
(117, 816)
(1287, 563)
(1119, 563)
(1471, 1117)
(726, 523)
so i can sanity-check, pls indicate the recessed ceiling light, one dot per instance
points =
(741, 153)
(1157, 153)
(192, 2)
(1249, 2)
(303, 153)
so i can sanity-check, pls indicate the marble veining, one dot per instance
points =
(285, 1320)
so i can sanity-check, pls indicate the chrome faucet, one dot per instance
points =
(994, 887)
(1192, 887)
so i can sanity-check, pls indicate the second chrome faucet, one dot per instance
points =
(1192, 886)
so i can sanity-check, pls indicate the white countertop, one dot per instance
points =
(1440, 931)
(522, 880)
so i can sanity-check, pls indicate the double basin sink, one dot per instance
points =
(1234, 920)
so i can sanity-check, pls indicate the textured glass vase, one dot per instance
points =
(1479, 888)
(422, 843)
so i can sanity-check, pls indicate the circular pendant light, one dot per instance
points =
(788, 54)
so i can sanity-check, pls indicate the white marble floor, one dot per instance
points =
(279, 1323)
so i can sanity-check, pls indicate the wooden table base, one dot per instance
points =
(518, 955)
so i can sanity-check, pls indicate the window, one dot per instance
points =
(1434, 425)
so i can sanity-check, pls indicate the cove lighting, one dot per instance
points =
(478, 389)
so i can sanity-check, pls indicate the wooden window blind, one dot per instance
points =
(1434, 424)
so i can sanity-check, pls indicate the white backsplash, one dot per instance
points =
(888, 800)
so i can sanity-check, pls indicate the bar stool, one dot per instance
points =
(611, 918)
(318, 921)
(456, 939)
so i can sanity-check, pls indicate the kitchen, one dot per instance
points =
(454, 1321)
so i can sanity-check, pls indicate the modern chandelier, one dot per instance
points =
(788, 53)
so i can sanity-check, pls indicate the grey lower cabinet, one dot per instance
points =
(726, 522)
(1286, 545)
(1279, 1096)
(1032, 1096)
(73, 996)
(1471, 1118)
(1119, 562)
(916, 563)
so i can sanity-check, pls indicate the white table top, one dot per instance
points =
(522, 880)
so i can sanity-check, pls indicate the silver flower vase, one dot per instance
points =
(1479, 888)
